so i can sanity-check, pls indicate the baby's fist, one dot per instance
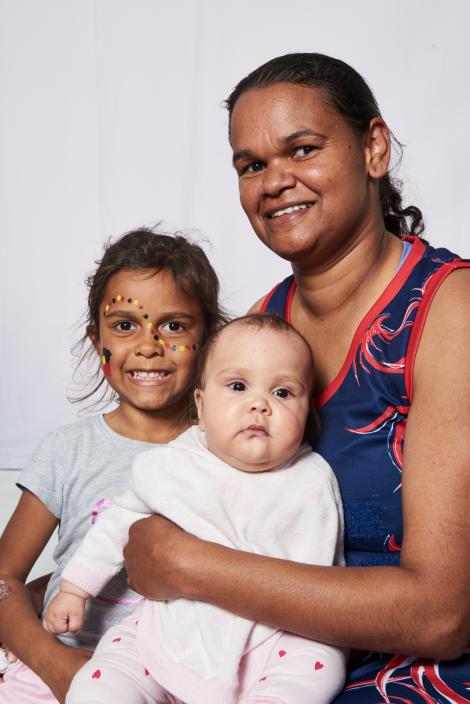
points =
(64, 614)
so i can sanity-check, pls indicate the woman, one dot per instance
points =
(388, 322)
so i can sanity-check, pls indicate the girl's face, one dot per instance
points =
(150, 332)
(303, 172)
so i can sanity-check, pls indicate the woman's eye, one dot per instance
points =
(125, 326)
(304, 150)
(282, 393)
(237, 386)
(172, 326)
(253, 168)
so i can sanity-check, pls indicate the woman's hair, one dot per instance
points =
(350, 95)
(259, 321)
(146, 249)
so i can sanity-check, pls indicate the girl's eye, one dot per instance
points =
(237, 386)
(282, 393)
(304, 150)
(172, 326)
(125, 326)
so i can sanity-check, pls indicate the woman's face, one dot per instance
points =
(303, 172)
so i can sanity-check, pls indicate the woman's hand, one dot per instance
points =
(158, 558)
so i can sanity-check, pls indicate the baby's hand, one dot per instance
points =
(65, 612)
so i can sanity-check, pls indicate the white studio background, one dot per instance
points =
(111, 118)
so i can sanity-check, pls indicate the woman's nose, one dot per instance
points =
(276, 178)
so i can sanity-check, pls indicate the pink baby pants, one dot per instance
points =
(22, 686)
(283, 670)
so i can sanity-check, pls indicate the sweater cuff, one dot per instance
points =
(84, 578)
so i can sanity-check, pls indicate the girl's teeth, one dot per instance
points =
(291, 209)
(149, 375)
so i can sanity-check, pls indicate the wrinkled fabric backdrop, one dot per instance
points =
(111, 117)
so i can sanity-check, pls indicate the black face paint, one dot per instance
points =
(105, 359)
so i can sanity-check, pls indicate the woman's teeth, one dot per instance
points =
(149, 375)
(290, 209)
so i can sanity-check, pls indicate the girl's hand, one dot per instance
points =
(64, 614)
(158, 557)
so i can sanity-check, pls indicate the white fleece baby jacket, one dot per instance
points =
(193, 649)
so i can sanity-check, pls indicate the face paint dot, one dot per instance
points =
(155, 337)
(103, 360)
(194, 348)
(141, 308)
(160, 342)
(181, 348)
(114, 300)
(136, 302)
(118, 298)
(173, 348)
(167, 345)
(146, 315)
(129, 300)
(148, 325)
(107, 308)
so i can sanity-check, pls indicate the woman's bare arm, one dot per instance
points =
(23, 540)
(421, 607)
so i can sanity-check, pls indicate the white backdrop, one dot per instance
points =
(111, 118)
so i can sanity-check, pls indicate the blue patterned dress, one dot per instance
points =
(363, 416)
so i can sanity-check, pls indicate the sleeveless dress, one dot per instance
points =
(363, 416)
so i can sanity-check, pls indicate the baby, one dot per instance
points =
(242, 478)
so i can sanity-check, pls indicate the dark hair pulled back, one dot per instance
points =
(147, 249)
(349, 93)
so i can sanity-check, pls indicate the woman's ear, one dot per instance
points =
(198, 398)
(378, 148)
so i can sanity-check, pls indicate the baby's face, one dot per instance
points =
(255, 400)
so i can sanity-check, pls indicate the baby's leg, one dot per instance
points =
(298, 671)
(115, 673)
(20, 684)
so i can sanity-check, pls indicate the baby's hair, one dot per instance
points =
(260, 321)
(148, 249)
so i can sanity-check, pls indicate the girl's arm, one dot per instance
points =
(420, 608)
(23, 540)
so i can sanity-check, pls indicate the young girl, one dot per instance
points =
(152, 303)
(242, 479)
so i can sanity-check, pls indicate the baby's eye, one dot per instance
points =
(172, 326)
(282, 393)
(237, 386)
(125, 326)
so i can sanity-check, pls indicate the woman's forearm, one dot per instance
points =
(390, 609)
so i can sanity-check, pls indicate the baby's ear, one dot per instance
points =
(198, 399)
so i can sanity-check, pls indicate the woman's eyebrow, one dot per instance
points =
(242, 154)
(301, 133)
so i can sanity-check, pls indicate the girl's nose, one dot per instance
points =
(149, 346)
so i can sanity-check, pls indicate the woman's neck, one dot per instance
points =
(360, 272)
